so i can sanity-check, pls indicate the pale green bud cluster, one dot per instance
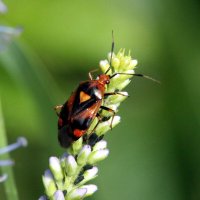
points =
(67, 176)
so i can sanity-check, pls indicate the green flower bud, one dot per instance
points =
(115, 63)
(100, 145)
(97, 156)
(90, 174)
(63, 159)
(115, 99)
(71, 165)
(83, 155)
(121, 86)
(54, 165)
(77, 145)
(49, 183)
(103, 127)
(104, 65)
(132, 64)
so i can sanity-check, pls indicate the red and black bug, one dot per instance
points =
(78, 112)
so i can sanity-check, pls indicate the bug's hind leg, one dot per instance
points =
(111, 111)
(92, 138)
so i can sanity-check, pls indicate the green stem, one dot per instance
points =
(9, 184)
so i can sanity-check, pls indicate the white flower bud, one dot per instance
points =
(90, 174)
(77, 194)
(55, 166)
(49, 183)
(104, 65)
(91, 189)
(71, 165)
(77, 145)
(100, 145)
(58, 195)
(83, 155)
(43, 198)
(132, 64)
(97, 156)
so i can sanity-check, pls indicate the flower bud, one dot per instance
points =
(43, 198)
(103, 127)
(77, 145)
(97, 156)
(77, 194)
(58, 195)
(89, 174)
(116, 98)
(49, 183)
(55, 166)
(83, 155)
(104, 65)
(71, 165)
(100, 145)
(132, 64)
(115, 63)
(91, 189)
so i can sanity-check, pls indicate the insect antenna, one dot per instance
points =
(140, 75)
(112, 50)
(147, 77)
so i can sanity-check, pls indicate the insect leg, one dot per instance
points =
(114, 93)
(90, 73)
(90, 137)
(109, 110)
(99, 120)
(58, 109)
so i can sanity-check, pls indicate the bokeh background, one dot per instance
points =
(155, 151)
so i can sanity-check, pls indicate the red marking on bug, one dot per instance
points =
(78, 132)
(60, 122)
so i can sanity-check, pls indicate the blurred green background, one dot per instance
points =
(155, 151)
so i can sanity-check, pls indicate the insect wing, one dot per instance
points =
(66, 111)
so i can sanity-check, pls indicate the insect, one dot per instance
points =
(84, 104)
(82, 107)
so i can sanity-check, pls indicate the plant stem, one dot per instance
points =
(9, 184)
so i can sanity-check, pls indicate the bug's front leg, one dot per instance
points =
(91, 72)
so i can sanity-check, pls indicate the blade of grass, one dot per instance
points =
(9, 184)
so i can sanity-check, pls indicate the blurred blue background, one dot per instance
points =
(155, 151)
